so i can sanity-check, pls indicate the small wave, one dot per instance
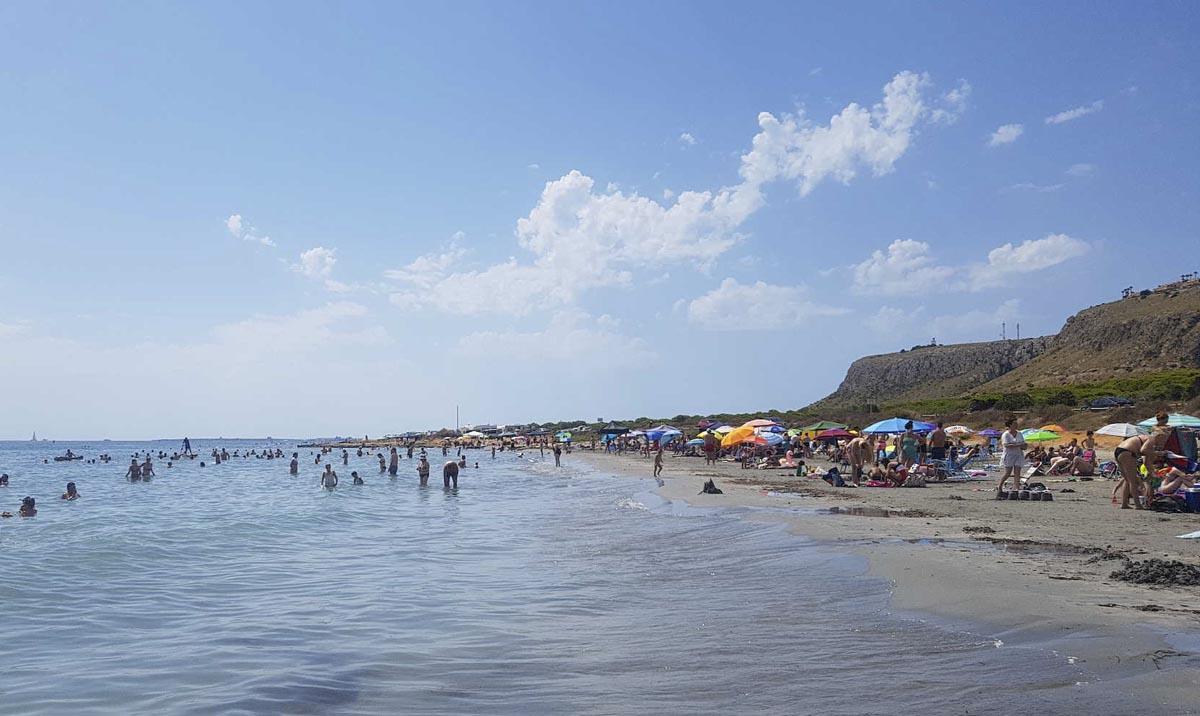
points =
(631, 504)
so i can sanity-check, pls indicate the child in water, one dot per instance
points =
(70, 494)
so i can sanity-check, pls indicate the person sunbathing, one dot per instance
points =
(1081, 466)
(1174, 480)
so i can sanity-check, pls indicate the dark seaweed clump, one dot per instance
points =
(1168, 573)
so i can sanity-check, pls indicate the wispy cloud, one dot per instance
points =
(687, 139)
(1076, 113)
(1040, 188)
(1006, 134)
(1081, 170)
(239, 228)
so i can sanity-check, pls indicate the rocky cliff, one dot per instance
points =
(1144, 333)
(931, 371)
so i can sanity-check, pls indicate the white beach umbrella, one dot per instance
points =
(959, 430)
(1122, 430)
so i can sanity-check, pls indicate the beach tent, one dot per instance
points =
(1039, 436)
(834, 434)
(1122, 430)
(958, 430)
(1175, 420)
(822, 425)
(896, 425)
(474, 434)
(613, 429)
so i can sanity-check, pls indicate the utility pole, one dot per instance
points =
(1003, 328)
(1018, 331)
(456, 418)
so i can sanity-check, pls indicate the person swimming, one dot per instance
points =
(4, 480)
(28, 507)
(357, 480)
(70, 494)
(329, 478)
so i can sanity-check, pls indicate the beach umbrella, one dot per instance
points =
(613, 429)
(1039, 436)
(773, 429)
(958, 430)
(759, 423)
(695, 442)
(834, 434)
(989, 433)
(1122, 430)
(562, 435)
(1054, 428)
(1175, 420)
(723, 429)
(896, 425)
(737, 435)
(822, 425)
(771, 438)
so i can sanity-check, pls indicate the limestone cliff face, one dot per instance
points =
(932, 372)
(1147, 332)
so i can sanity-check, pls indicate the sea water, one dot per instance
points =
(237, 588)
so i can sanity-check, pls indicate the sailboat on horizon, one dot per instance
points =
(34, 439)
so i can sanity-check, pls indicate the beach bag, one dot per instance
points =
(914, 480)
(710, 488)
(1166, 503)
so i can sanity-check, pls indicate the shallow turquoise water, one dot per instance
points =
(237, 588)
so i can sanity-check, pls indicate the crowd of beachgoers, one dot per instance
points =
(141, 464)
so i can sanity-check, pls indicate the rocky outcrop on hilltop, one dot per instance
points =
(1147, 332)
(927, 372)
(1144, 333)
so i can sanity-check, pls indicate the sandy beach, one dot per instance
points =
(1028, 570)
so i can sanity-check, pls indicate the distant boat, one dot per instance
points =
(34, 440)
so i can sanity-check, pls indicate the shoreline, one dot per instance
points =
(1022, 587)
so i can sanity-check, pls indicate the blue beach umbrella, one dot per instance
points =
(896, 425)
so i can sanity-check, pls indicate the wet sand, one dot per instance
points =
(1031, 572)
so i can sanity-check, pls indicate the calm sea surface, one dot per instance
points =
(237, 588)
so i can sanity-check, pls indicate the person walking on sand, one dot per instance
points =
(858, 451)
(658, 461)
(393, 463)
(329, 478)
(1014, 456)
(450, 473)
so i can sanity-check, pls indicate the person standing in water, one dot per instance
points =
(187, 446)
(134, 473)
(329, 478)
(357, 480)
(70, 494)
(393, 463)
(294, 468)
(345, 458)
(449, 473)
(557, 456)
(423, 471)
(382, 463)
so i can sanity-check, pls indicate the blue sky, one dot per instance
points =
(314, 219)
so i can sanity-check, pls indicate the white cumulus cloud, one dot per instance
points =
(1008, 261)
(579, 237)
(317, 262)
(735, 306)
(1075, 113)
(686, 139)
(1006, 134)
(907, 266)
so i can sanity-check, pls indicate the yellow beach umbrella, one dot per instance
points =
(737, 435)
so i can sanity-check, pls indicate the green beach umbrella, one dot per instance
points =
(1041, 436)
(823, 425)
